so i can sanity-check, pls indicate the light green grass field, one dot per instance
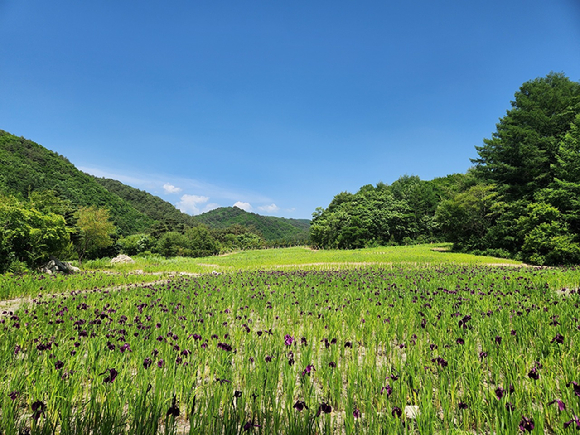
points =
(305, 258)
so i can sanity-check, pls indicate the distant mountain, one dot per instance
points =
(272, 228)
(26, 166)
(148, 204)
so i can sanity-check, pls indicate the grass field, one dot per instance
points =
(405, 340)
(302, 257)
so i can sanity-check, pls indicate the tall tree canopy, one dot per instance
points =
(520, 157)
(531, 170)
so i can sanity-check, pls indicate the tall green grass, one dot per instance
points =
(376, 338)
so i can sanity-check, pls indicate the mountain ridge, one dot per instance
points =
(27, 166)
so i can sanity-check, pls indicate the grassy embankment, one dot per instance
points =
(146, 269)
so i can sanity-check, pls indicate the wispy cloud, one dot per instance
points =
(170, 188)
(272, 208)
(191, 203)
(243, 205)
(196, 195)
(155, 184)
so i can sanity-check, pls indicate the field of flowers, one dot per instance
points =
(390, 349)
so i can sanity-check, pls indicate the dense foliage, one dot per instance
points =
(28, 167)
(401, 213)
(28, 236)
(46, 186)
(274, 229)
(153, 206)
(520, 200)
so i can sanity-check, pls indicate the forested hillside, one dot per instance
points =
(148, 204)
(520, 200)
(272, 228)
(28, 167)
(50, 208)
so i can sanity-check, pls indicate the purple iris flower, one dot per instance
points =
(111, 377)
(576, 387)
(288, 340)
(388, 389)
(575, 420)
(38, 409)
(561, 405)
(300, 405)
(173, 409)
(249, 425)
(527, 424)
(499, 392)
(396, 412)
(324, 407)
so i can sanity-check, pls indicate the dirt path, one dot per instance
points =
(11, 305)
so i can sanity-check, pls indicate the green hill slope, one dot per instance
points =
(272, 228)
(151, 205)
(26, 166)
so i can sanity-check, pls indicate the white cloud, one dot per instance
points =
(210, 206)
(269, 208)
(155, 184)
(170, 188)
(190, 203)
(243, 205)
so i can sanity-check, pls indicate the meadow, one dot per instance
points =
(386, 340)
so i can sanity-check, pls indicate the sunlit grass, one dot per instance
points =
(409, 328)
(304, 257)
(233, 351)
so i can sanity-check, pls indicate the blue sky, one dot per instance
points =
(275, 106)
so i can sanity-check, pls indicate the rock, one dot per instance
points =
(122, 259)
(412, 411)
(55, 265)
(71, 268)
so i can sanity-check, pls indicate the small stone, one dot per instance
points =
(412, 411)
(122, 259)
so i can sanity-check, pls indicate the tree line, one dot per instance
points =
(45, 225)
(521, 198)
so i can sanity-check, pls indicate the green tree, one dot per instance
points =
(28, 235)
(466, 218)
(519, 157)
(547, 239)
(172, 244)
(135, 244)
(94, 230)
(201, 242)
